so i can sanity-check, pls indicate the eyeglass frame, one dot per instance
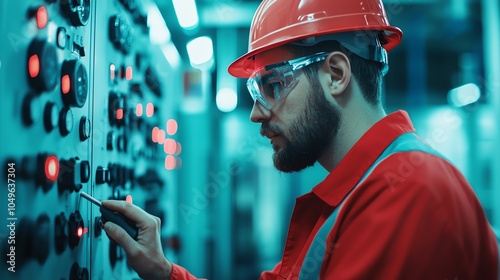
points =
(294, 64)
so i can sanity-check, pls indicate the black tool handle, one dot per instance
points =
(117, 218)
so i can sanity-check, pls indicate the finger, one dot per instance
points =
(120, 236)
(129, 210)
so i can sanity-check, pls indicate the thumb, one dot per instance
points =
(118, 234)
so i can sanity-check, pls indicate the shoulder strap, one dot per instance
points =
(311, 266)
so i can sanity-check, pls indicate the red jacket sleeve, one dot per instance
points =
(417, 221)
(180, 273)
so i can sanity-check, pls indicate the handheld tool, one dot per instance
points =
(115, 217)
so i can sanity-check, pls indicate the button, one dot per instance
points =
(78, 273)
(65, 121)
(75, 229)
(120, 33)
(116, 109)
(74, 83)
(97, 227)
(62, 38)
(50, 116)
(41, 16)
(84, 171)
(110, 141)
(42, 65)
(29, 245)
(102, 175)
(84, 128)
(77, 11)
(32, 109)
(70, 175)
(61, 238)
(47, 170)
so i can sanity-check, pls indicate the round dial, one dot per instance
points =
(78, 11)
(42, 65)
(74, 83)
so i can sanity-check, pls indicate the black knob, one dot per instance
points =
(85, 171)
(102, 175)
(71, 173)
(31, 109)
(42, 65)
(61, 237)
(84, 128)
(41, 237)
(78, 11)
(65, 121)
(78, 273)
(74, 83)
(50, 116)
(75, 229)
(110, 141)
(120, 33)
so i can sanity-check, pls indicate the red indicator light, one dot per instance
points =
(65, 84)
(171, 127)
(119, 114)
(128, 73)
(161, 136)
(138, 110)
(51, 168)
(150, 109)
(169, 146)
(41, 17)
(128, 199)
(170, 162)
(34, 66)
(154, 134)
(112, 72)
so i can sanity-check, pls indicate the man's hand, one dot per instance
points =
(145, 255)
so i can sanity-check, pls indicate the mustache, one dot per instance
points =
(267, 128)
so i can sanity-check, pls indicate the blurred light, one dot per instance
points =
(178, 162)
(42, 17)
(128, 199)
(161, 136)
(128, 73)
(79, 232)
(51, 168)
(171, 54)
(34, 66)
(171, 127)
(154, 134)
(464, 95)
(178, 148)
(170, 146)
(170, 162)
(119, 114)
(201, 53)
(226, 100)
(112, 72)
(150, 109)
(65, 84)
(186, 12)
(158, 30)
(138, 110)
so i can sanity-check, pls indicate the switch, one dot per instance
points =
(76, 229)
(84, 128)
(42, 65)
(61, 38)
(110, 141)
(74, 83)
(72, 174)
(97, 227)
(31, 109)
(121, 143)
(78, 273)
(102, 175)
(50, 116)
(77, 11)
(47, 170)
(65, 121)
(61, 237)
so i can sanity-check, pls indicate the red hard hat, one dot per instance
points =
(278, 22)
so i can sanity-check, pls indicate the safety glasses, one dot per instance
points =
(270, 83)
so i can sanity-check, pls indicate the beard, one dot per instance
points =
(310, 133)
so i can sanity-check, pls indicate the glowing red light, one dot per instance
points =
(119, 114)
(170, 162)
(161, 136)
(150, 109)
(154, 134)
(52, 168)
(34, 66)
(169, 146)
(41, 17)
(112, 72)
(128, 199)
(138, 110)
(178, 148)
(171, 127)
(128, 73)
(65, 84)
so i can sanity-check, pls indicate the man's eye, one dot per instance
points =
(272, 89)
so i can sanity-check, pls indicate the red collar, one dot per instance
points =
(361, 156)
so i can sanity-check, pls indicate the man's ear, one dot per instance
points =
(338, 68)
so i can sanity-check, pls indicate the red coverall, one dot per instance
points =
(413, 216)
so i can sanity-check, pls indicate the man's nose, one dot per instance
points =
(259, 113)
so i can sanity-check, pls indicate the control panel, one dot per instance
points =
(88, 103)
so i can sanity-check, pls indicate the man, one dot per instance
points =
(391, 207)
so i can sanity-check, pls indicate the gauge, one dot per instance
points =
(78, 11)
(74, 83)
